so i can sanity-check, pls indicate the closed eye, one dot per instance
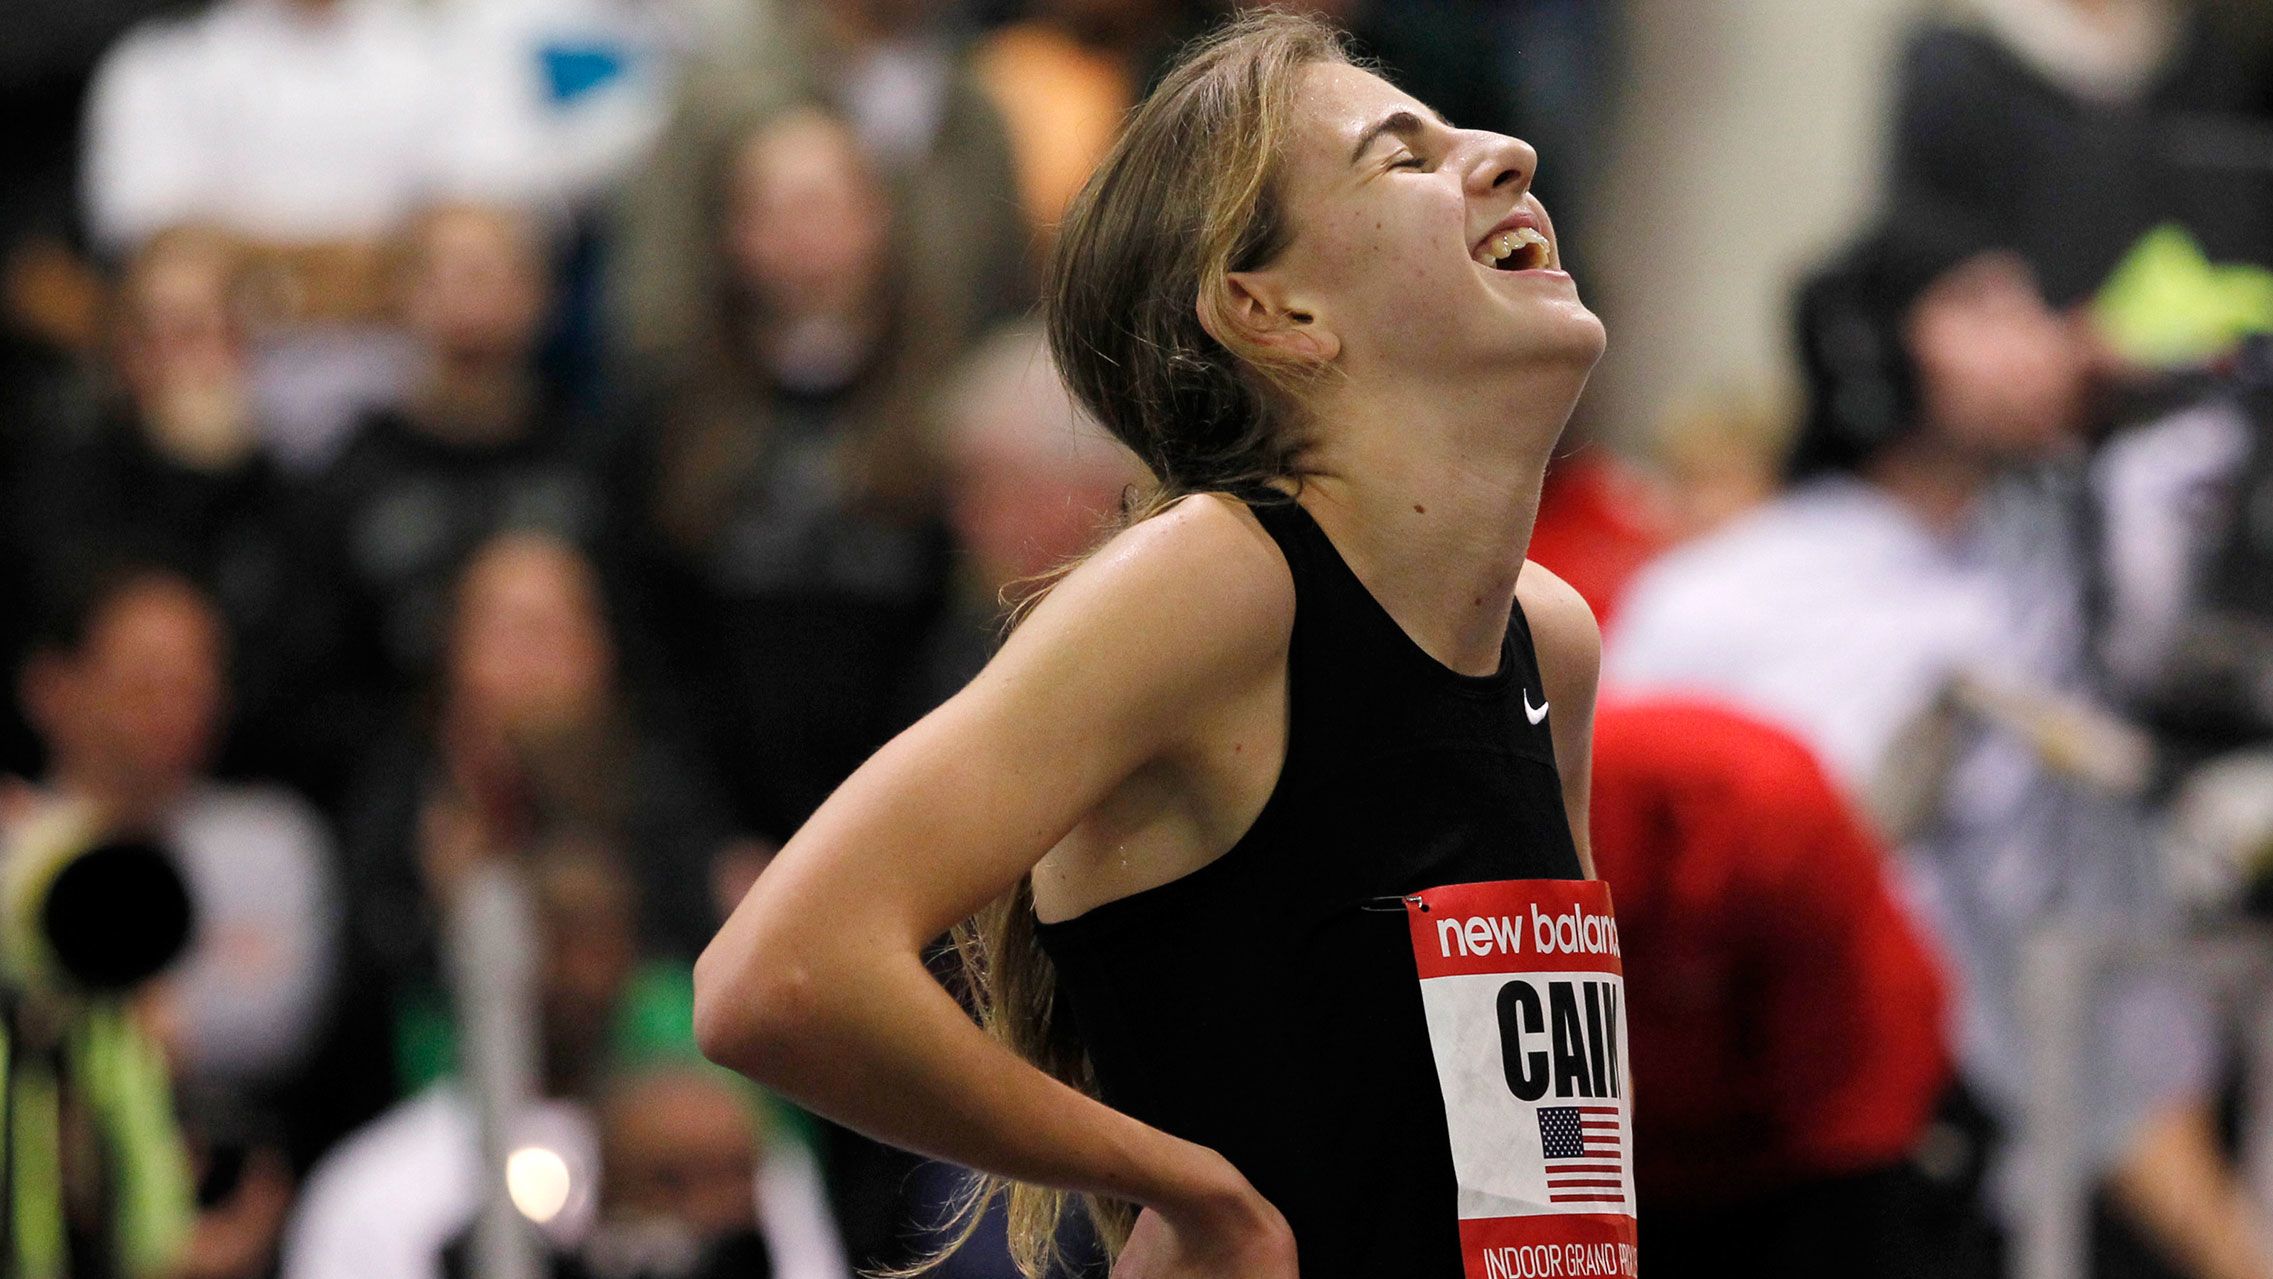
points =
(1410, 162)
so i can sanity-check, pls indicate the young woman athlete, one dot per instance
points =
(1314, 677)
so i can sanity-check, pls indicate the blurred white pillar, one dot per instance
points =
(1751, 139)
(2060, 965)
(492, 947)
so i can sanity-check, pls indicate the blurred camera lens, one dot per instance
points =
(111, 916)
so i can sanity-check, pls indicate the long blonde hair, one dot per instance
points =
(1187, 196)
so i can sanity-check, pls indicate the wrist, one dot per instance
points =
(1198, 1185)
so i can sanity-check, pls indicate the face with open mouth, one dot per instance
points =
(1416, 247)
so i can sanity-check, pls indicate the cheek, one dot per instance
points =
(1393, 270)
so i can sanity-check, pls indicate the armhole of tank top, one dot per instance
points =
(1519, 622)
(1283, 520)
(1521, 643)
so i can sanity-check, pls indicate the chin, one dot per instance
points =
(1573, 338)
(1587, 337)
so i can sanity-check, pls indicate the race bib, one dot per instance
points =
(1526, 1002)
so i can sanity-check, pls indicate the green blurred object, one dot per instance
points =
(2166, 305)
(35, 1202)
(84, 921)
(654, 1024)
(118, 1079)
(122, 1074)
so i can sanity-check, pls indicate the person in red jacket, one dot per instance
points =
(1788, 1048)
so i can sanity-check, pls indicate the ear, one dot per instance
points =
(1260, 306)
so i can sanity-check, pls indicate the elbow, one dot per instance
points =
(719, 1029)
(752, 1010)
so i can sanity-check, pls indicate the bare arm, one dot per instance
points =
(1569, 643)
(2181, 1190)
(816, 987)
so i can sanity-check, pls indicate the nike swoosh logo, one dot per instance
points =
(1534, 713)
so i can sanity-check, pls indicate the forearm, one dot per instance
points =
(2181, 1191)
(876, 1044)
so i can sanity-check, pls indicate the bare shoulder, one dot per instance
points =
(1201, 576)
(1563, 628)
(1184, 601)
(1208, 549)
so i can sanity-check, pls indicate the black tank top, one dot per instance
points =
(1266, 1005)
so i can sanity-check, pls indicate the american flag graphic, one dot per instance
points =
(1581, 1145)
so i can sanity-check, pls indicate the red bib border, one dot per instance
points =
(1524, 990)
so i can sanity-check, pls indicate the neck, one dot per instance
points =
(817, 352)
(127, 798)
(570, 1072)
(1431, 497)
(1937, 484)
(477, 402)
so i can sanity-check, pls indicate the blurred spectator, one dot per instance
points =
(311, 128)
(51, 333)
(1932, 561)
(556, 102)
(2185, 638)
(793, 492)
(175, 467)
(680, 1150)
(290, 121)
(2183, 501)
(482, 444)
(50, 297)
(1787, 1018)
(533, 731)
(127, 689)
(890, 69)
(389, 1202)
(1904, 443)
(800, 562)
(1032, 482)
(2013, 121)
(1063, 76)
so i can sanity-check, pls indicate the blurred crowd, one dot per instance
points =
(570, 435)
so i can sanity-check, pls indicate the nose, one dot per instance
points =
(1502, 165)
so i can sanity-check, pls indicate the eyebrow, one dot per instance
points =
(1404, 124)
